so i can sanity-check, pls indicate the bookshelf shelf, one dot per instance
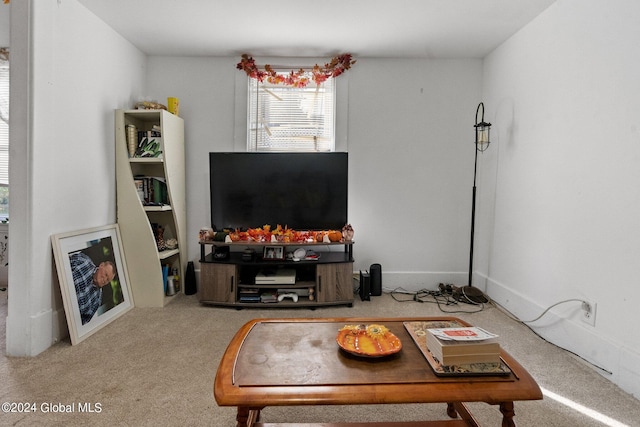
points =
(136, 220)
(163, 208)
(168, 253)
(146, 160)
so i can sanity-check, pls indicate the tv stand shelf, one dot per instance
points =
(231, 281)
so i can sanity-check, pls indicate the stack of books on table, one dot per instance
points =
(463, 346)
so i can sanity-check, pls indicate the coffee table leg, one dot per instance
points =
(247, 417)
(451, 410)
(458, 408)
(507, 414)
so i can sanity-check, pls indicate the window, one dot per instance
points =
(286, 118)
(4, 133)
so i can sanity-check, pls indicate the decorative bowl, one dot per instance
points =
(368, 340)
(171, 243)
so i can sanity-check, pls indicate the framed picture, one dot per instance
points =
(275, 253)
(93, 279)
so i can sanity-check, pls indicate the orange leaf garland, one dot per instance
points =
(319, 74)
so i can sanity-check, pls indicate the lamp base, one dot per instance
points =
(470, 295)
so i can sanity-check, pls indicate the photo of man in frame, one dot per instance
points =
(95, 279)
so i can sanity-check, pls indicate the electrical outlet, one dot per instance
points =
(589, 312)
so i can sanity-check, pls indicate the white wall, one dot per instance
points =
(4, 255)
(411, 146)
(5, 13)
(410, 139)
(206, 89)
(73, 72)
(563, 93)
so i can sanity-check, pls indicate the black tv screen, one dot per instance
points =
(302, 191)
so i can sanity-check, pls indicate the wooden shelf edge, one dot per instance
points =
(158, 160)
(168, 253)
(434, 423)
(163, 208)
(252, 243)
(280, 304)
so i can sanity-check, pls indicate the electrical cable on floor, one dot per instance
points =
(422, 295)
(435, 297)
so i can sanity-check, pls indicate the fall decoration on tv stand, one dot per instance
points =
(278, 235)
(338, 65)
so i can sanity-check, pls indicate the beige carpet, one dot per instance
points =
(155, 367)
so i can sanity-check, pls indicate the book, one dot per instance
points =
(418, 332)
(160, 194)
(152, 190)
(471, 333)
(461, 346)
(139, 183)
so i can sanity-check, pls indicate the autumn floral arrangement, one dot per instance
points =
(279, 234)
(337, 66)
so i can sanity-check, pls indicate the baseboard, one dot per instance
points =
(563, 327)
(47, 328)
(59, 324)
(628, 377)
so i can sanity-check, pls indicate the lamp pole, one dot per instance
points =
(481, 143)
(473, 218)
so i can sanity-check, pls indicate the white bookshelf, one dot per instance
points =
(144, 261)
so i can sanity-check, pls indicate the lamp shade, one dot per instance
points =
(482, 131)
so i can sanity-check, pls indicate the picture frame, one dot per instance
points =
(93, 278)
(273, 253)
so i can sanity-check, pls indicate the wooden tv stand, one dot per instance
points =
(327, 280)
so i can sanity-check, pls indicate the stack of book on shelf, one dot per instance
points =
(249, 295)
(152, 190)
(463, 346)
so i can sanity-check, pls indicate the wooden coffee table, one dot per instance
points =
(292, 362)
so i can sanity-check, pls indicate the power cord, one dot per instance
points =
(525, 323)
(445, 297)
(546, 311)
(442, 299)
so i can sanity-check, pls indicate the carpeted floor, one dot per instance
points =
(155, 367)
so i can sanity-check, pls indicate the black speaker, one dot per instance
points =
(190, 286)
(365, 289)
(376, 279)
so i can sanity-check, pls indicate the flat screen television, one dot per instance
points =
(303, 191)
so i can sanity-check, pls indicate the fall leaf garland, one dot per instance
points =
(337, 66)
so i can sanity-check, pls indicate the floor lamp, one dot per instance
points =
(475, 295)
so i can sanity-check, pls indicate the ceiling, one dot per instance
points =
(364, 28)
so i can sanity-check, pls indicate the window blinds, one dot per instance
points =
(4, 122)
(285, 118)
